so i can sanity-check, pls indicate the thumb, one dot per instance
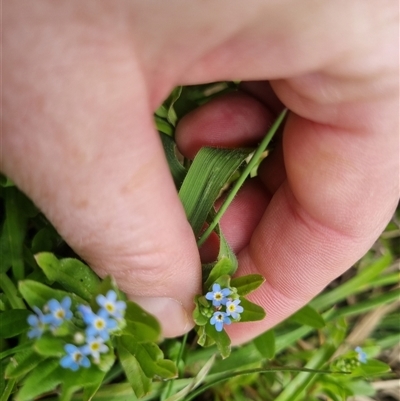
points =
(86, 152)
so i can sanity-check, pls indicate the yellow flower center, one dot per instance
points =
(60, 314)
(110, 307)
(99, 324)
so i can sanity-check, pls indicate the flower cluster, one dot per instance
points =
(55, 314)
(98, 327)
(226, 308)
(350, 361)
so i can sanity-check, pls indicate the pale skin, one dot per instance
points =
(81, 81)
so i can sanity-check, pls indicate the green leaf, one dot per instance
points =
(163, 126)
(23, 363)
(198, 317)
(40, 380)
(177, 170)
(140, 324)
(265, 344)
(221, 339)
(72, 274)
(139, 382)
(172, 98)
(223, 267)
(13, 322)
(247, 284)
(90, 390)
(38, 294)
(44, 240)
(373, 367)
(14, 230)
(82, 378)
(151, 360)
(225, 250)
(251, 312)
(209, 172)
(308, 316)
(48, 345)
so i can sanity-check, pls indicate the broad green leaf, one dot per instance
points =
(177, 170)
(139, 382)
(140, 324)
(198, 317)
(225, 250)
(373, 367)
(40, 380)
(38, 294)
(221, 339)
(44, 240)
(308, 316)
(265, 344)
(13, 322)
(91, 389)
(72, 274)
(247, 284)
(82, 378)
(223, 267)
(151, 360)
(251, 312)
(48, 345)
(23, 363)
(207, 175)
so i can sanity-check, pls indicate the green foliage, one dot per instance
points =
(309, 356)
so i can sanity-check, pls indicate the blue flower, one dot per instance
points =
(37, 324)
(74, 359)
(94, 346)
(98, 325)
(58, 311)
(111, 305)
(219, 319)
(362, 356)
(218, 296)
(234, 309)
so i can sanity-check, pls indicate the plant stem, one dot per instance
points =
(261, 148)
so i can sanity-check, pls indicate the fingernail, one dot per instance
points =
(169, 312)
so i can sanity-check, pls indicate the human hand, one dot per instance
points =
(80, 84)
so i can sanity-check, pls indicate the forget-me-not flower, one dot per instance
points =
(98, 324)
(37, 324)
(59, 311)
(218, 295)
(362, 356)
(111, 305)
(233, 308)
(94, 346)
(219, 319)
(74, 358)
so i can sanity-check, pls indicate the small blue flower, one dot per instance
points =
(218, 295)
(111, 305)
(233, 308)
(219, 319)
(74, 359)
(94, 346)
(37, 324)
(362, 356)
(98, 325)
(58, 311)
